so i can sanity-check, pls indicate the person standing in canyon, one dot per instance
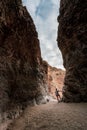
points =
(57, 95)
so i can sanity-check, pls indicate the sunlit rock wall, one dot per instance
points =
(55, 80)
(72, 41)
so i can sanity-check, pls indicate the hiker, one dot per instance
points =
(57, 95)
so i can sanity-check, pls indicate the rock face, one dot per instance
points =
(55, 80)
(21, 67)
(72, 41)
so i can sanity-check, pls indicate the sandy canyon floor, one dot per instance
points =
(53, 116)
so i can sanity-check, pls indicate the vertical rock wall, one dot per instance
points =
(21, 66)
(72, 41)
(55, 80)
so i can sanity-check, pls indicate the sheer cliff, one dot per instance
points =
(72, 41)
(21, 68)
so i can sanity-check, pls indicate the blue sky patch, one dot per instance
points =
(44, 14)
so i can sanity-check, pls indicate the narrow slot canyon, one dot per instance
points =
(28, 83)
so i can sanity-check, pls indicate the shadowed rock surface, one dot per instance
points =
(72, 41)
(22, 71)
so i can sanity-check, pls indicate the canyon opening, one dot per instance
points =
(44, 14)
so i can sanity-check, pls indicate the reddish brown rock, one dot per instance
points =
(72, 41)
(21, 67)
(55, 80)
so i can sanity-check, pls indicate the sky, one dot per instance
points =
(44, 14)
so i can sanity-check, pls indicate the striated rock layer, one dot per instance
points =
(55, 80)
(72, 41)
(21, 68)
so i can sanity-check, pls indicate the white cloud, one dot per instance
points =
(44, 13)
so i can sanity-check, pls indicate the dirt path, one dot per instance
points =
(53, 116)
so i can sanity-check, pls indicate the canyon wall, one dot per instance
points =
(21, 67)
(55, 80)
(72, 41)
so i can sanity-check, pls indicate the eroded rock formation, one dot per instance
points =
(21, 67)
(55, 80)
(72, 41)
